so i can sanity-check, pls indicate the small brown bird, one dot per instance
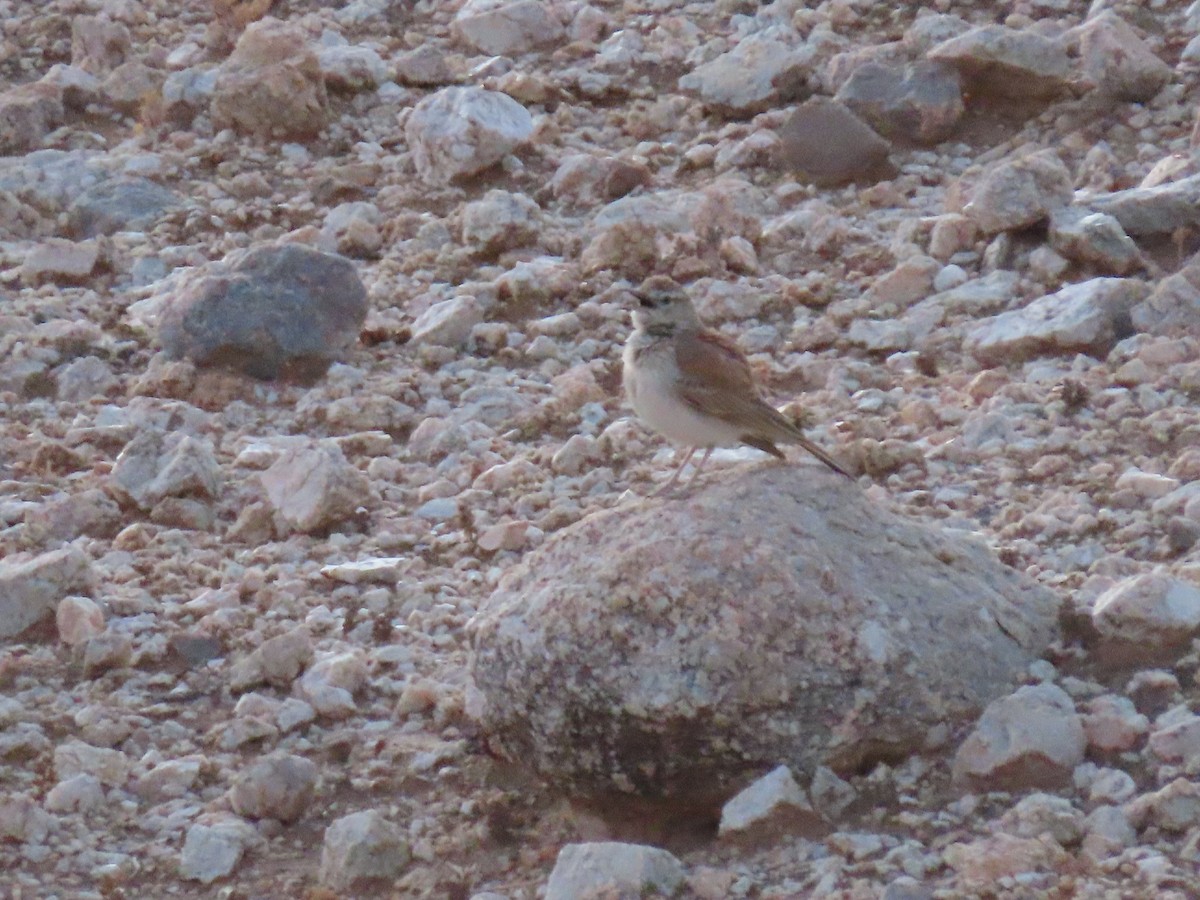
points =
(694, 387)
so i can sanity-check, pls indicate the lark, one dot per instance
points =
(694, 386)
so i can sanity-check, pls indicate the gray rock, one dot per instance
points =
(275, 311)
(155, 465)
(500, 221)
(1173, 305)
(313, 488)
(825, 143)
(586, 180)
(1005, 63)
(1094, 239)
(508, 27)
(213, 850)
(1088, 317)
(1029, 739)
(1154, 210)
(188, 92)
(613, 869)
(460, 131)
(278, 787)
(447, 323)
(279, 661)
(773, 805)
(1040, 814)
(1174, 808)
(121, 204)
(60, 261)
(921, 102)
(98, 44)
(1118, 61)
(28, 113)
(1148, 618)
(353, 229)
(1019, 193)
(272, 84)
(362, 850)
(645, 679)
(425, 66)
(351, 69)
(763, 70)
(30, 589)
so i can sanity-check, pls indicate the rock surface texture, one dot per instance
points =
(661, 650)
(311, 323)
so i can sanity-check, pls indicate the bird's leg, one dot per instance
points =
(696, 474)
(679, 471)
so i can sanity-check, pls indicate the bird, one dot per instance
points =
(694, 386)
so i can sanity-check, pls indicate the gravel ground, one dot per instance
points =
(219, 570)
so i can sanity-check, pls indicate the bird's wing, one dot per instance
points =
(710, 362)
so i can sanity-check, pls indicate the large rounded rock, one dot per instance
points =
(460, 131)
(276, 311)
(771, 616)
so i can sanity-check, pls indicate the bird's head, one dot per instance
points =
(661, 304)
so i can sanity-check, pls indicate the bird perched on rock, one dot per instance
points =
(694, 387)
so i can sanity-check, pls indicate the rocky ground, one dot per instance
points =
(235, 586)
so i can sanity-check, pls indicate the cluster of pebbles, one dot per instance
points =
(310, 329)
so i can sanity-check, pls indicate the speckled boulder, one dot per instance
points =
(772, 615)
(276, 311)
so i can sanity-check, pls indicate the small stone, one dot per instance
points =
(919, 102)
(425, 66)
(272, 84)
(1039, 814)
(154, 466)
(1108, 832)
(80, 793)
(772, 806)
(460, 131)
(169, 780)
(74, 757)
(377, 570)
(120, 204)
(1148, 617)
(761, 71)
(500, 221)
(951, 234)
(1113, 724)
(1174, 808)
(106, 651)
(212, 851)
(1019, 193)
(1094, 239)
(825, 143)
(983, 862)
(311, 488)
(620, 869)
(586, 180)
(361, 851)
(1031, 738)
(353, 229)
(1006, 63)
(28, 113)
(98, 44)
(351, 69)
(508, 27)
(60, 261)
(32, 589)
(1155, 210)
(1118, 61)
(504, 536)
(1087, 317)
(279, 661)
(448, 323)
(78, 619)
(910, 281)
(278, 787)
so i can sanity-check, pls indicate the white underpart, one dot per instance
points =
(654, 399)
